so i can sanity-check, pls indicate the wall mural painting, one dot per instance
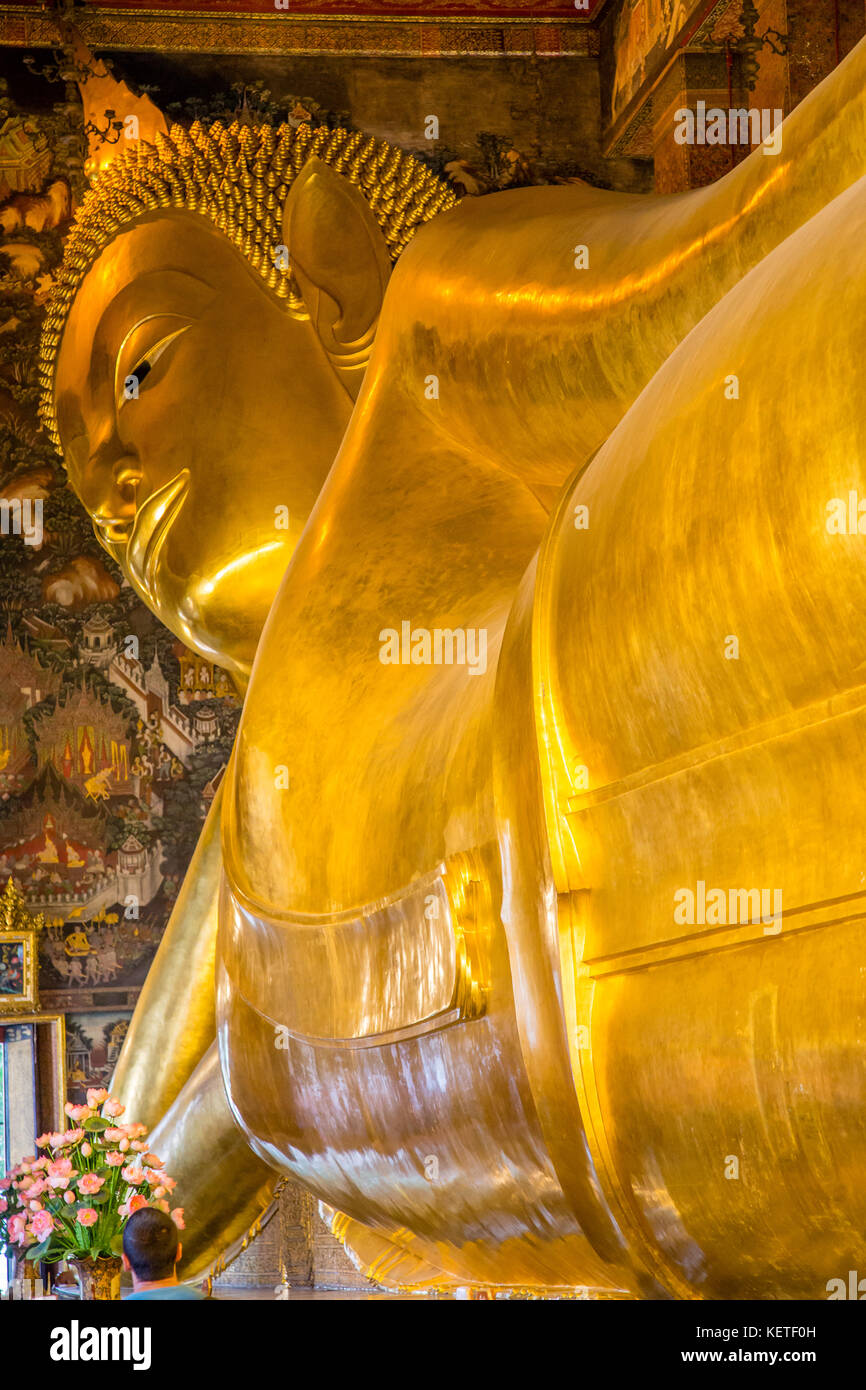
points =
(113, 736)
(645, 30)
(93, 1043)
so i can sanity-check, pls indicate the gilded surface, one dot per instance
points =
(520, 1065)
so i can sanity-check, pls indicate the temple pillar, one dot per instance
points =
(693, 77)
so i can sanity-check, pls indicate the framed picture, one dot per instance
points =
(17, 973)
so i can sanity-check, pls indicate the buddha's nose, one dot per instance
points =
(115, 513)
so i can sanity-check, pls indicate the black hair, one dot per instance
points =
(150, 1244)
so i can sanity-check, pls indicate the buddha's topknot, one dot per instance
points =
(238, 177)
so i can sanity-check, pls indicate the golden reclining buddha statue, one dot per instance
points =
(526, 931)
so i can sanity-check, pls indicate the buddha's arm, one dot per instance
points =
(173, 1025)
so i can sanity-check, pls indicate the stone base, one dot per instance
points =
(296, 1247)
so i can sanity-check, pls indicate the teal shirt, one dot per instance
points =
(178, 1291)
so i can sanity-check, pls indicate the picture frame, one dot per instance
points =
(17, 973)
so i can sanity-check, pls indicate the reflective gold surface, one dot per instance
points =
(453, 998)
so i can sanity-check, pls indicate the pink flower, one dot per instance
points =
(135, 1203)
(112, 1107)
(153, 1160)
(77, 1112)
(69, 1198)
(37, 1188)
(168, 1183)
(133, 1176)
(40, 1163)
(123, 1145)
(27, 1163)
(17, 1224)
(71, 1136)
(5, 1182)
(96, 1097)
(60, 1168)
(89, 1183)
(86, 1150)
(44, 1141)
(115, 1159)
(136, 1131)
(35, 1206)
(43, 1224)
(139, 1145)
(177, 1218)
(114, 1136)
(87, 1216)
(161, 1206)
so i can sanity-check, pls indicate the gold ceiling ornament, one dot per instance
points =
(237, 177)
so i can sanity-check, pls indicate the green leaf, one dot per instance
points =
(38, 1252)
(96, 1124)
(117, 1243)
(95, 1199)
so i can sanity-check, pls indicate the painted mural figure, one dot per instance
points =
(434, 937)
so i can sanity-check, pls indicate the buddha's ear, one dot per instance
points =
(340, 261)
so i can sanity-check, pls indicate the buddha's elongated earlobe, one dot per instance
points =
(340, 261)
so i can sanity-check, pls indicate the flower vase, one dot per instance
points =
(98, 1278)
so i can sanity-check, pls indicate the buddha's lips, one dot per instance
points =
(153, 522)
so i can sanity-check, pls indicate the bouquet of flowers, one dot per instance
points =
(73, 1202)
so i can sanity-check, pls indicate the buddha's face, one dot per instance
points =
(198, 419)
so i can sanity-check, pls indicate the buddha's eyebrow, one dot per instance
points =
(168, 289)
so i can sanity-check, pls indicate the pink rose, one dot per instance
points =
(87, 1216)
(90, 1183)
(115, 1159)
(177, 1218)
(96, 1097)
(112, 1107)
(43, 1225)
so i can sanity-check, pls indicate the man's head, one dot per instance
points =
(211, 326)
(151, 1248)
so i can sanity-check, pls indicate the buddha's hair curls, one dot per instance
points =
(237, 177)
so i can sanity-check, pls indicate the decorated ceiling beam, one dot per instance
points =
(508, 28)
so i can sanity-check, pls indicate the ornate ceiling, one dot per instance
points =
(493, 9)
